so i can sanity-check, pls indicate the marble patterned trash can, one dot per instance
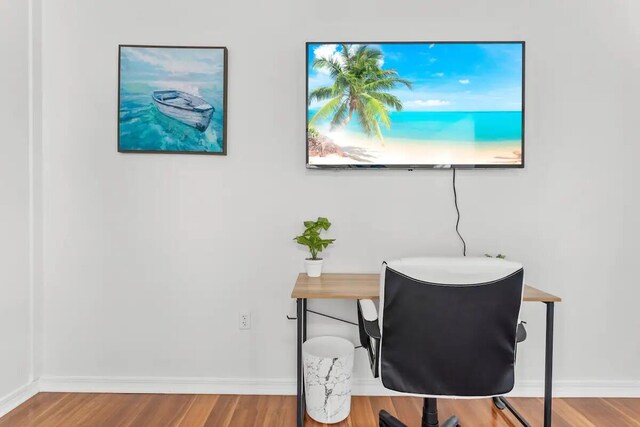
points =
(328, 366)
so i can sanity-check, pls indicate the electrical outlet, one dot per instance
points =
(244, 320)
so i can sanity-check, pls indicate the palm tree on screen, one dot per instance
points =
(360, 86)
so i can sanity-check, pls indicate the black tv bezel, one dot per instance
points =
(417, 166)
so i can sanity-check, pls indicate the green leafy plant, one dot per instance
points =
(311, 236)
(497, 256)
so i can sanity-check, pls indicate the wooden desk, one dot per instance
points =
(367, 286)
(363, 286)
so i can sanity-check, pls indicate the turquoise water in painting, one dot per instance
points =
(143, 127)
(478, 126)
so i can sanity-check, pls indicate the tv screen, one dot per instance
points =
(415, 105)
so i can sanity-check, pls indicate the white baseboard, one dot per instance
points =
(17, 398)
(192, 385)
(168, 385)
(286, 386)
(594, 389)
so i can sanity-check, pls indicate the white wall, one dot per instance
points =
(15, 294)
(149, 258)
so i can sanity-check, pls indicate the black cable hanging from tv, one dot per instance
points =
(455, 201)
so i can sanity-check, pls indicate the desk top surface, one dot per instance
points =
(362, 286)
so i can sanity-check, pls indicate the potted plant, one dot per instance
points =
(316, 244)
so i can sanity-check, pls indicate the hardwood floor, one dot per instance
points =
(179, 410)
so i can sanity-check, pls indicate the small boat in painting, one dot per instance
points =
(184, 107)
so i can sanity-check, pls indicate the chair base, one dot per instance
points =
(429, 417)
(498, 403)
(388, 420)
(501, 403)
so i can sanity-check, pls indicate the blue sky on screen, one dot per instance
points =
(445, 77)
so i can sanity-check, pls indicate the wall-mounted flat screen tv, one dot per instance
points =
(415, 105)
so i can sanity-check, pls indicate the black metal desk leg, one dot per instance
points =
(304, 319)
(548, 366)
(301, 305)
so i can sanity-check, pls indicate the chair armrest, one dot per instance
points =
(369, 332)
(368, 308)
(521, 332)
(369, 318)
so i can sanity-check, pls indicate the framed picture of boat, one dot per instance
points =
(172, 99)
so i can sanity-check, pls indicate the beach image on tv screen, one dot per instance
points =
(428, 104)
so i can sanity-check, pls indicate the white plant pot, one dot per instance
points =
(313, 267)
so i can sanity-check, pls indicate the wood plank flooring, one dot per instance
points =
(179, 410)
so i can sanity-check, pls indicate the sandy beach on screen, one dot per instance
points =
(357, 149)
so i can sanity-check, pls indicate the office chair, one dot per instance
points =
(448, 328)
